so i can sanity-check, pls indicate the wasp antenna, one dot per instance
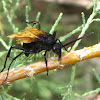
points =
(78, 39)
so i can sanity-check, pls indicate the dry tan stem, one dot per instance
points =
(39, 67)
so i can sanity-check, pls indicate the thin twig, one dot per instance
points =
(53, 63)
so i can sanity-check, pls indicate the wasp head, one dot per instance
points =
(57, 49)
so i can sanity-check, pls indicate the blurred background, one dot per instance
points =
(43, 87)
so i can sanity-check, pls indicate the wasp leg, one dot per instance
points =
(8, 55)
(10, 65)
(13, 60)
(46, 61)
(59, 56)
(54, 34)
(35, 22)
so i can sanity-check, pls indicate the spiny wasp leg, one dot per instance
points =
(10, 65)
(35, 22)
(46, 61)
(8, 55)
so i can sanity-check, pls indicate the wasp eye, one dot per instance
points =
(54, 48)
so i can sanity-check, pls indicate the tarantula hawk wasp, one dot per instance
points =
(34, 41)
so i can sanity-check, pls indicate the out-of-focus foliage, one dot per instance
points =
(63, 84)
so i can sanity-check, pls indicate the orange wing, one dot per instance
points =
(29, 34)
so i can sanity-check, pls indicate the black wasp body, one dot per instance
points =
(45, 42)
